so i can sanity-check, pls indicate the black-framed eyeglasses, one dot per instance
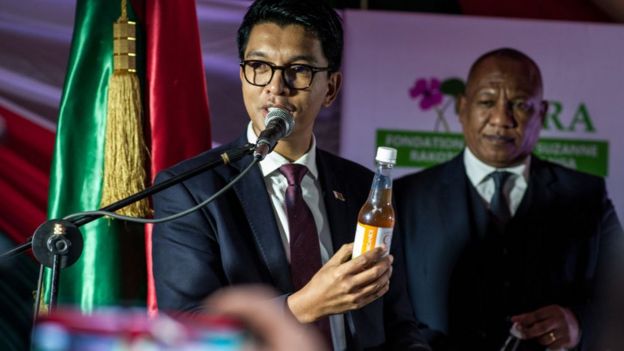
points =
(296, 76)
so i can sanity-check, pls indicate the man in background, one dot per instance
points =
(497, 237)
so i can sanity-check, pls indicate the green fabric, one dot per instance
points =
(76, 174)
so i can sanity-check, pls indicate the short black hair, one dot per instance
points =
(513, 54)
(316, 16)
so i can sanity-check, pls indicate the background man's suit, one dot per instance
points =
(235, 240)
(467, 281)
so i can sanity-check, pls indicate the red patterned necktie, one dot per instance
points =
(305, 250)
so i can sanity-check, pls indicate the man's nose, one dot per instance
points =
(277, 85)
(503, 115)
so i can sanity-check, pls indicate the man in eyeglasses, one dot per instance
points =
(290, 221)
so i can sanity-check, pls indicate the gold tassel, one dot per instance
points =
(125, 150)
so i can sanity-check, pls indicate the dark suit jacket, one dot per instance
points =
(466, 283)
(235, 240)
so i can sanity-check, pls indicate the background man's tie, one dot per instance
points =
(498, 205)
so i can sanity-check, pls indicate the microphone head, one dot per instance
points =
(278, 123)
(276, 115)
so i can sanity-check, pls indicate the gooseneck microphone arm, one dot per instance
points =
(58, 243)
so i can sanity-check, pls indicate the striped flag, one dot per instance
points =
(112, 267)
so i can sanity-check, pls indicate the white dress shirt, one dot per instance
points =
(276, 185)
(514, 188)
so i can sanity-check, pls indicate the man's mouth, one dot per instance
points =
(498, 139)
(266, 108)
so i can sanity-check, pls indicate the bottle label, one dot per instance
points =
(368, 237)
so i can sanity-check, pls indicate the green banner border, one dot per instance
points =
(423, 149)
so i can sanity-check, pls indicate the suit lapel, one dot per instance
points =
(455, 215)
(460, 236)
(336, 201)
(253, 196)
(540, 195)
(540, 191)
(532, 215)
(342, 216)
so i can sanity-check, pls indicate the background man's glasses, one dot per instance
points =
(296, 76)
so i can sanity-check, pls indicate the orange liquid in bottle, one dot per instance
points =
(378, 213)
(376, 217)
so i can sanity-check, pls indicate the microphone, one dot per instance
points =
(279, 124)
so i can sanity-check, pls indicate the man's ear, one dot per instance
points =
(334, 82)
(461, 107)
(543, 110)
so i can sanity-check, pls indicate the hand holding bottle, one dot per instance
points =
(343, 284)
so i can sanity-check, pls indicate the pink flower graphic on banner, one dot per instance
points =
(432, 94)
(428, 91)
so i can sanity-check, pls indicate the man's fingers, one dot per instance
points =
(553, 339)
(540, 321)
(365, 294)
(376, 285)
(376, 291)
(553, 326)
(526, 320)
(560, 343)
(372, 273)
(540, 329)
(364, 261)
(342, 255)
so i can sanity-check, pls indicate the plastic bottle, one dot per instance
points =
(376, 217)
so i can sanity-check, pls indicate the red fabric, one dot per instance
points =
(25, 156)
(570, 10)
(178, 101)
(20, 217)
(176, 93)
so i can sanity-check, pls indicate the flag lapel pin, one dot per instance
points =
(338, 195)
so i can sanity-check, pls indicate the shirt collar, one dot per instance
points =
(273, 161)
(478, 171)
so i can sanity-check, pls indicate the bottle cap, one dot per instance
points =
(386, 154)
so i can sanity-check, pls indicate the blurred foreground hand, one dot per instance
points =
(256, 306)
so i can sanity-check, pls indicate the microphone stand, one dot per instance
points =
(58, 243)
